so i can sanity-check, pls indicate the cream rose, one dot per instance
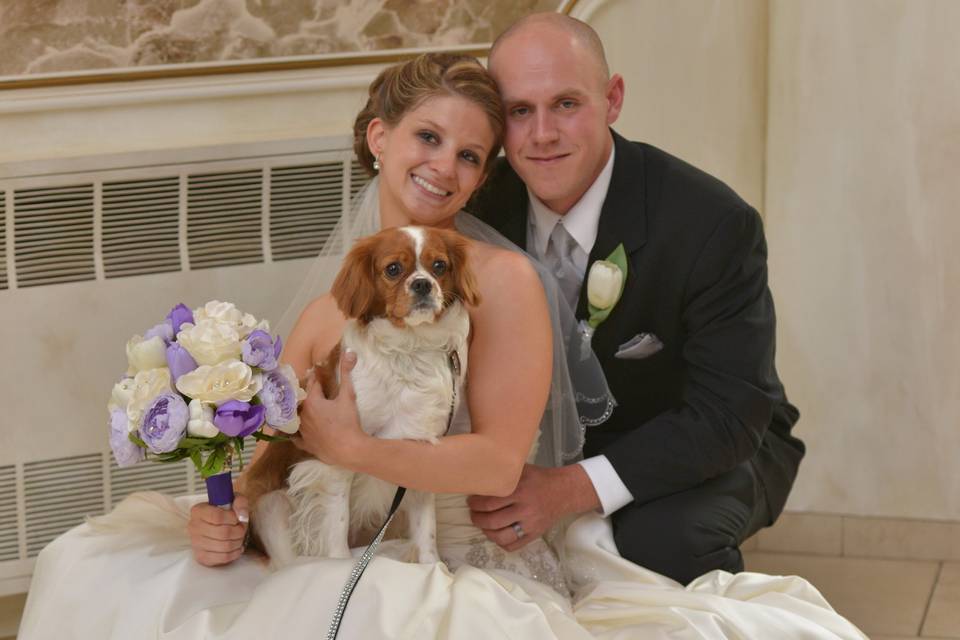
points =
(201, 424)
(121, 394)
(143, 355)
(604, 284)
(220, 382)
(210, 341)
(147, 385)
(227, 313)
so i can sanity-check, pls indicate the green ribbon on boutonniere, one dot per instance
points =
(605, 283)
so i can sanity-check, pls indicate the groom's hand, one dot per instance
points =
(543, 496)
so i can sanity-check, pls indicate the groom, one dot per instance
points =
(698, 455)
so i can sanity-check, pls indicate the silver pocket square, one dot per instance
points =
(639, 346)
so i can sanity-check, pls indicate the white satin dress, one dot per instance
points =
(140, 582)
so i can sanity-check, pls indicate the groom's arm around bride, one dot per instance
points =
(698, 454)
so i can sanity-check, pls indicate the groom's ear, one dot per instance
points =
(614, 96)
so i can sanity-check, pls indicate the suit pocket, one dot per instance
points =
(642, 345)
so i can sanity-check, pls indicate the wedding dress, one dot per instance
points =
(142, 582)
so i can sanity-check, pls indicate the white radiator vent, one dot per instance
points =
(223, 222)
(53, 228)
(171, 478)
(140, 227)
(58, 494)
(305, 204)
(3, 240)
(9, 539)
(358, 178)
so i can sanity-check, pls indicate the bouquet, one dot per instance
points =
(197, 384)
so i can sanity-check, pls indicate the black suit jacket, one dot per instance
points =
(697, 279)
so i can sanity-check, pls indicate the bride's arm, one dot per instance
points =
(316, 331)
(508, 380)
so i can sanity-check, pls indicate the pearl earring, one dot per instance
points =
(376, 164)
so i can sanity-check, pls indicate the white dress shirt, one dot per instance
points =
(581, 222)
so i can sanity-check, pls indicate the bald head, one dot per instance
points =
(558, 27)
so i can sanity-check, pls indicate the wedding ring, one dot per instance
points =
(517, 529)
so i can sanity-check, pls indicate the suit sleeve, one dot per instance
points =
(730, 387)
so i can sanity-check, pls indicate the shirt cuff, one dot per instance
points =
(610, 489)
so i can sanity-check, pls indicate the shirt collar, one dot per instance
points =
(583, 218)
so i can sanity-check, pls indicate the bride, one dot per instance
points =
(430, 130)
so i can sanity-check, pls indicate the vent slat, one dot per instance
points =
(305, 203)
(53, 235)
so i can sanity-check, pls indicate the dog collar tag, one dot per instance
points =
(455, 363)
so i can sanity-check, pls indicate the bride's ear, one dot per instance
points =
(376, 135)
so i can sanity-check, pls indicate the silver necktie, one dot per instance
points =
(559, 259)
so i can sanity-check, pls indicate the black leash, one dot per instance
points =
(367, 556)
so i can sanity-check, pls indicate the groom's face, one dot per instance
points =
(558, 112)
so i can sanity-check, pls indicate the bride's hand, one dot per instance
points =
(330, 429)
(217, 535)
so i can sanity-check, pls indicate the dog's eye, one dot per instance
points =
(393, 270)
(439, 267)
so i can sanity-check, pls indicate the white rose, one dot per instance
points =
(210, 341)
(227, 313)
(604, 284)
(221, 382)
(121, 394)
(201, 420)
(143, 355)
(147, 385)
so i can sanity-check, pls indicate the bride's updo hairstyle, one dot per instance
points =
(403, 87)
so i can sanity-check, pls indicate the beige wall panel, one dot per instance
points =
(695, 74)
(862, 201)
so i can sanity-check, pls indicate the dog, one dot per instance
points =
(405, 293)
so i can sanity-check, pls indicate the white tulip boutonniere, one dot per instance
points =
(604, 287)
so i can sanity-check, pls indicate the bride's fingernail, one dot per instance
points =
(242, 517)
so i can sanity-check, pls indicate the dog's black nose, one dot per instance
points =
(421, 286)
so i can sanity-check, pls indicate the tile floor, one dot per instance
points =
(895, 579)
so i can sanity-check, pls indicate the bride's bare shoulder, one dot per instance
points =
(502, 273)
(318, 329)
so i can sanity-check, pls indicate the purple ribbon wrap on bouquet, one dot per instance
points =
(220, 490)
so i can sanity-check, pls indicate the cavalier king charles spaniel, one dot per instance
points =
(404, 292)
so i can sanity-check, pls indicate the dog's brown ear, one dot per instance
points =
(355, 289)
(464, 282)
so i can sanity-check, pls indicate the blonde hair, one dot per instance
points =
(403, 87)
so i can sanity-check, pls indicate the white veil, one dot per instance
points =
(579, 395)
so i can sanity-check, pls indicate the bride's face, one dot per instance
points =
(431, 161)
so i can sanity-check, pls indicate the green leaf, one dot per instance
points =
(257, 435)
(214, 463)
(197, 460)
(238, 453)
(135, 439)
(189, 442)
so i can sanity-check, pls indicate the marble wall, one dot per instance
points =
(863, 150)
(48, 36)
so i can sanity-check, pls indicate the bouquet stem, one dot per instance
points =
(220, 490)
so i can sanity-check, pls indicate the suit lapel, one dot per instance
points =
(623, 217)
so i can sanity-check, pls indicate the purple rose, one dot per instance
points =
(164, 330)
(164, 423)
(125, 452)
(239, 419)
(179, 361)
(259, 350)
(279, 398)
(178, 315)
